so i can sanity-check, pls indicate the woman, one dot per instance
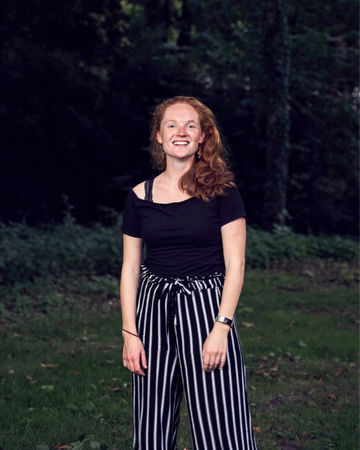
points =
(178, 307)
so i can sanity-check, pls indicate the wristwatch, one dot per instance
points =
(225, 320)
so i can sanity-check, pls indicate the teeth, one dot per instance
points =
(180, 143)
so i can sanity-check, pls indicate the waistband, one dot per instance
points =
(183, 284)
(146, 273)
(170, 287)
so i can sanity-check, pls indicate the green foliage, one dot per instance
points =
(27, 253)
(63, 383)
(283, 246)
(77, 81)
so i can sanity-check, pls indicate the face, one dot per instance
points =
(180, 132)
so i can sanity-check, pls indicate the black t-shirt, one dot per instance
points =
(182, 238)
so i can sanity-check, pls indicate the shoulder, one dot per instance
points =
(231, 206)
(229, 192)
(231, 188)
(139, 190)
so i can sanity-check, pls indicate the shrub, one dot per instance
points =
(27, 252)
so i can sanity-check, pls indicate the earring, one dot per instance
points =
(199, 153)
(162, 153)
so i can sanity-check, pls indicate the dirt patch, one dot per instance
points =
(279, 401)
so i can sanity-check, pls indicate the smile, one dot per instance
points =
(181, 143)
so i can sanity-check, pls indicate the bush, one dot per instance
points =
(27, 253)
(265, 249)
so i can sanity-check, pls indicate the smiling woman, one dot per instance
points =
(208, 173)
(177, 305)
(180, 131)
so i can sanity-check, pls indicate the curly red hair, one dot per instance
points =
(208, 175)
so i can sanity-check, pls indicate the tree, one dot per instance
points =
(276, 64)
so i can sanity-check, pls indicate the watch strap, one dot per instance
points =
(224, 320)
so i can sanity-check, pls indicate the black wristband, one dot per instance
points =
(225, 320)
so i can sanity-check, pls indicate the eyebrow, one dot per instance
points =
(174, 120)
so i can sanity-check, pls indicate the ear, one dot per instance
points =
(158, 137)
(202, 137)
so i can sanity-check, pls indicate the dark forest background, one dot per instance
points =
(78, 80)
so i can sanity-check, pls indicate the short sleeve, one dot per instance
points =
(231, 207)
(131, 220)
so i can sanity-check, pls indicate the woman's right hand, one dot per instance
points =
(134, 357)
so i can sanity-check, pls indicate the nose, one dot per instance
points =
(181, 131)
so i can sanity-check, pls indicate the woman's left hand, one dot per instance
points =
(215, 346)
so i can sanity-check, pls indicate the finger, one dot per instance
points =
(137, 369)
(217, 362)
(125, 362)
(210, 364)
(223, 361)
(143, 359)
(206, 360)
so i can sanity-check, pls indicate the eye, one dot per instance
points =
(171, 126)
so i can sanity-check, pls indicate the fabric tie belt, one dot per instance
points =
(170, 287)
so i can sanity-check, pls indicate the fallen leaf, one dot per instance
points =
(76, 373)
(47, 388)
(338, 372)
(49, 366)
(332, 396)
(89, 406)
(248, 324)
(312, 390)
(116, 388)
(259, 372)
(301, 344)
(275, 368)
(256, 429)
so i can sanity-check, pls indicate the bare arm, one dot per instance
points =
(133, 353)
(234, 243)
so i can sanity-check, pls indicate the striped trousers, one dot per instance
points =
(174, 317)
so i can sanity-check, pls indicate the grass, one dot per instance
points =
(61, 373)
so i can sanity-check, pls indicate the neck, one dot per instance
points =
(175, 169)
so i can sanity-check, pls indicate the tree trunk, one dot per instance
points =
(276, 61)
(185, 25)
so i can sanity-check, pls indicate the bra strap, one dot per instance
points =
(148, 190)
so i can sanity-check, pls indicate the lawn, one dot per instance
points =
(62, 376)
